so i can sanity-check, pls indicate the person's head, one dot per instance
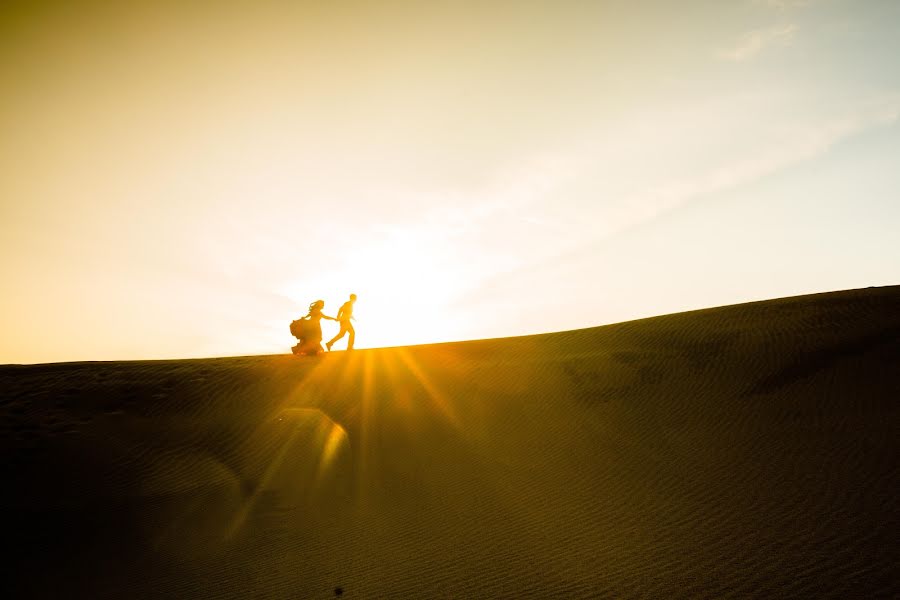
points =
(352, 297)
(317, 305)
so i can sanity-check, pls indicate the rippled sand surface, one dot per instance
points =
(743, 451)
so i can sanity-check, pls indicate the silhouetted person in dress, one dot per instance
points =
(345, 314)
(312, 340)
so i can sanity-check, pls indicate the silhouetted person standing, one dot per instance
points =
(344, 315)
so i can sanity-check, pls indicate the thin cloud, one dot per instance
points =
(784, 4)
(797, 148)
(643, 206)
(753, 42)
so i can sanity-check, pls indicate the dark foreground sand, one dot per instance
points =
(743, 451)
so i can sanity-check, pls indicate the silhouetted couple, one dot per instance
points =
(310, 334)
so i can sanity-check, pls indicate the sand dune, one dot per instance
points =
(743, 451)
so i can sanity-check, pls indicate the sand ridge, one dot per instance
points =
(741, 451)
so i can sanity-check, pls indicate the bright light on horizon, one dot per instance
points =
(405, 289)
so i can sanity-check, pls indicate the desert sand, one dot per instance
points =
(742, 451)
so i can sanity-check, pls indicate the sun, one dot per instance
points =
(406, 286)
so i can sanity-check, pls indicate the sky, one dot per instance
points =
(182, 179)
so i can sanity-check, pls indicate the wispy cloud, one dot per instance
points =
(793, 148)
(753, 42)
(784, 4)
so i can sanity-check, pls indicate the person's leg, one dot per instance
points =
(352, 333)
(339, 335)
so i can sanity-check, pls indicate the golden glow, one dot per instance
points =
(438, 398)
(181, 180)
(404, 285)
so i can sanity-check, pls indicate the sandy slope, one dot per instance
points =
(741, 451)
